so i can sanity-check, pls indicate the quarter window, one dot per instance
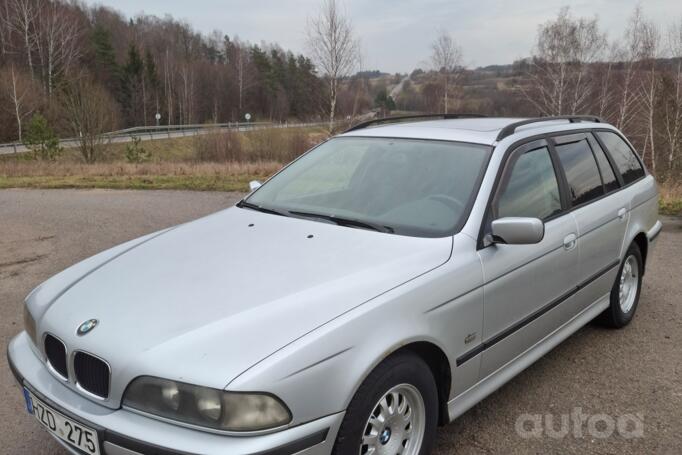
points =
(580, 167)
(532, 189)
(626, 161)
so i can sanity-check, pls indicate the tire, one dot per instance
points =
(408, 377)
(623, 306)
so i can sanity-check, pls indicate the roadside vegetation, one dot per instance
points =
(218, 161)
(105, 71)
(670, 202)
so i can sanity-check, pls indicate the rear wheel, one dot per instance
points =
(625, 291)
(394, 412)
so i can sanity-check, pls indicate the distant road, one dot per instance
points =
(395, 91)
(162, 132)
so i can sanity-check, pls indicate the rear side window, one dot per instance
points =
(581, 171)
(625, 159)
(532, 189)
(607, 175)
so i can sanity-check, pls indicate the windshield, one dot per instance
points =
(402, 186)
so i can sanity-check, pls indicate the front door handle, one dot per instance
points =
(570, 241)
(622, 212)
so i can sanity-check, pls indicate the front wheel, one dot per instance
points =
(625, 291)
(394, 412)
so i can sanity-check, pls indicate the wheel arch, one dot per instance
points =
(438, 363)
(643, 243)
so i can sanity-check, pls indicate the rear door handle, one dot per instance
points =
(570, 241)
(622, 212)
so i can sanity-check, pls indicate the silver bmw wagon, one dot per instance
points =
(378, 286)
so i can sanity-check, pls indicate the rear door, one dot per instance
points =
(525, 285)
(600, 211)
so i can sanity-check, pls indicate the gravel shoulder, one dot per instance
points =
(599, 373)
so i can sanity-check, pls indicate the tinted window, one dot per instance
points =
(624, 157)
(607, 175)
(532, 188)
(581, 171)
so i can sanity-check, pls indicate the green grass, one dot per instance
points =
(147, 182)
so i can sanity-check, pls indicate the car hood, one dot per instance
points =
(205, 301)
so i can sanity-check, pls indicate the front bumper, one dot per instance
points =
(122, 432)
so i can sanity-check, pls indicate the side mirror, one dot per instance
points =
(518, 231)
(254, 185)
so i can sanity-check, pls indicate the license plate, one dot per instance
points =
(69, 431)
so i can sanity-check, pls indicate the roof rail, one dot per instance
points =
(400, 118)
(511, 128)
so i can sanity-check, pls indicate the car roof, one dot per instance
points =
(482, 130)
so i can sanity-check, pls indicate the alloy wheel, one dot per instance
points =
(397, 423)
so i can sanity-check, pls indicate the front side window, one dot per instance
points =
(402, 186)
(531, 189)
(626, 161)
(582, 174)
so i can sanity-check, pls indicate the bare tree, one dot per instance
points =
(672, 113)
(57, 41)
(629, 54)
(91, 112)
(446, 58)
(605, 93)
(21, 93)
(333, 48)
(559, 71)
(24, 16)
(650, 52)
(5, 29)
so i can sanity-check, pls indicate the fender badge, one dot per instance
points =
(87, 327)
(469, 338)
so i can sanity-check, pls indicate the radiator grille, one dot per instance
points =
(92, 374)
(56, 355)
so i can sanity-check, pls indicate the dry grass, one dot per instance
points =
(218, 160)
(670, 201)
(275, 144)
(229, 176)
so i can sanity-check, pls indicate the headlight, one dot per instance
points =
(206, 407)
(30, 325)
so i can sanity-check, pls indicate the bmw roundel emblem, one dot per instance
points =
(87, 327)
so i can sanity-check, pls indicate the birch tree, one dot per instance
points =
(57, 42)
(629, 54)
(560, 70)
(21, 93)
(672, 113)
(650, 52)
(446, 58)
(23, 17)
(333, 47)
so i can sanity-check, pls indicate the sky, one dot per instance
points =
(396, 34)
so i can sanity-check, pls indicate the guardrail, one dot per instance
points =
(162, 132)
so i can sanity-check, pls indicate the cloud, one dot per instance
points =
(396, 34)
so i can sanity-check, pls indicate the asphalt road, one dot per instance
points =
(631, 377)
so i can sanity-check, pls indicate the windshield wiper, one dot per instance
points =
(345, 221)
(247, 205)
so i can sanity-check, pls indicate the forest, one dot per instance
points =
(79, 71)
